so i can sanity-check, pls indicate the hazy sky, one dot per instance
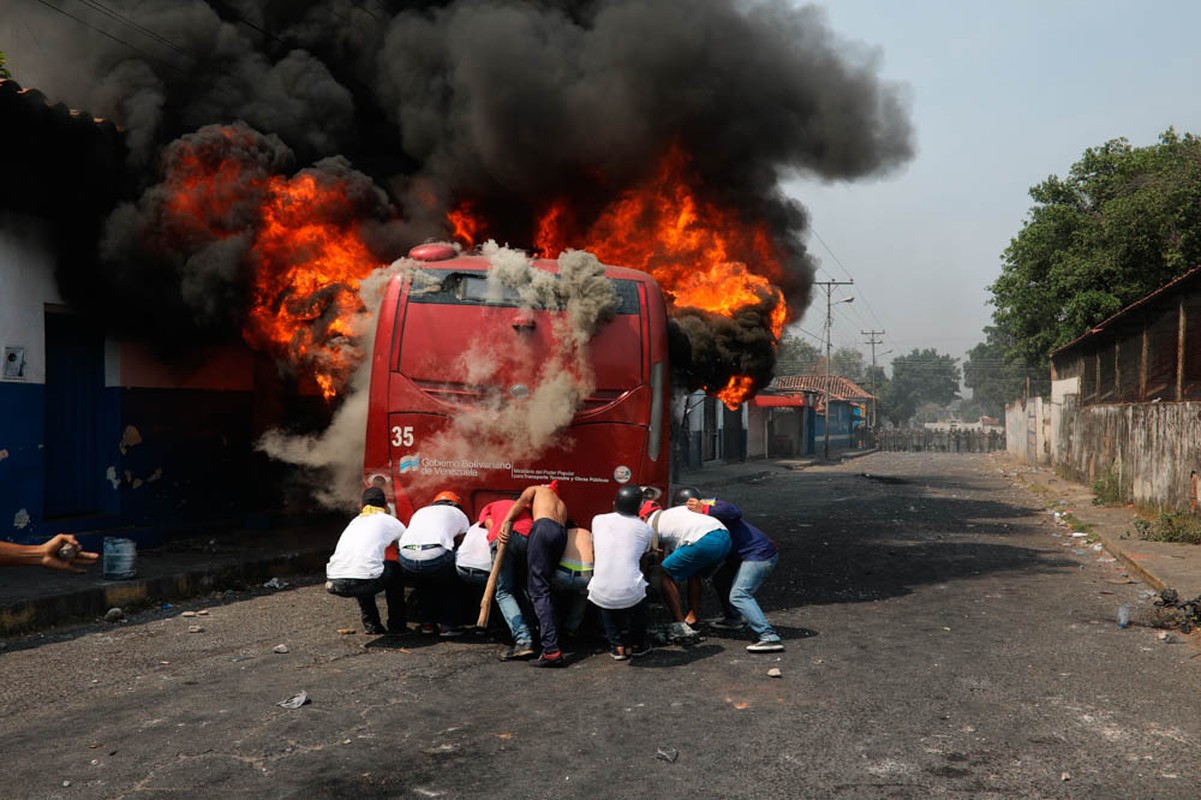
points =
(1003, 94)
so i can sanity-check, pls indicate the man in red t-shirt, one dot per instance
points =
(510, 597)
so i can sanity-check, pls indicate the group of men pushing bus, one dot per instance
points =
(536, 544)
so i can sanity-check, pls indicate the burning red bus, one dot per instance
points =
(470, 389)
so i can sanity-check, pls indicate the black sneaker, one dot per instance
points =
(555, 661)
(518, 652)
(398, 630)
(725, 624)
(374, 629)
(618, 653)
(638, 651)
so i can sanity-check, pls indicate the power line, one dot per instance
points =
(115, 38)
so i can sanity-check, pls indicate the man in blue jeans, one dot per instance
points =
(547, 540)
(510, 592)
(752, 558)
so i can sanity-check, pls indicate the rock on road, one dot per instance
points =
(944, 639)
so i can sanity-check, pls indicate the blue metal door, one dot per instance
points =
(74, 383)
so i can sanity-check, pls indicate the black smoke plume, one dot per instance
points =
(504, 103)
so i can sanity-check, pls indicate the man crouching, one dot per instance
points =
(358, 568)
(548, 538)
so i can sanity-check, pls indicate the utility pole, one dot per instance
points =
(829, 287)
(873, 341)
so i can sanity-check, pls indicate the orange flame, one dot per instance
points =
(698, 252)
(465, 225)
(305, 291)
(736, 391)
(306, 256)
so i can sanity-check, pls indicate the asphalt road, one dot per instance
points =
(944, 639)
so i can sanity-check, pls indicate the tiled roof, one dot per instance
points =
(839, 388)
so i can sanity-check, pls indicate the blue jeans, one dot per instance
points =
(509, 595)
(438, 581)
(737, 586)
(575, 586)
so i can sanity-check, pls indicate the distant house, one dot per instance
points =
(849, 404)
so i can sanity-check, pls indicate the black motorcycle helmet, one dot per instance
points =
(684, 494)
(627, 501)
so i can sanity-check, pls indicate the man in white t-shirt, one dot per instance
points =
(620, 540)
(696, 545)
(427, 556)
(359, 569)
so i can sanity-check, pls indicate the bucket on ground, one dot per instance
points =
(120, 558)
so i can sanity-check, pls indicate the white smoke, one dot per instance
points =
(505, 428)
(335, 456)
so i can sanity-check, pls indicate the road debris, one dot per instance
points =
(668, 754)
(114, 615)
(295, 701)
(275, 583)
(280, 648)
(774, 672)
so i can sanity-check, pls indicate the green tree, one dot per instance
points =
(875, 380)
(849, 363)
(923, 376)
(1124, 222)
(993, 377)
(796, 356)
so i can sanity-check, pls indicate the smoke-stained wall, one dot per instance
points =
(26, 273)
(150, 447)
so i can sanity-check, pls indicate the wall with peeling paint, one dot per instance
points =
(27, 277)
(175, 441)
(1153, 449)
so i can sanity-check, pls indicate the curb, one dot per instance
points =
(1131, 565)
(94, 601)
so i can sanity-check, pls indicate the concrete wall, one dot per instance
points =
(1153, 449)
(174, 441)
(1028, 430)
(26, 287)
(758, 431)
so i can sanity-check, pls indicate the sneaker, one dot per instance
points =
(618, 653)
(518, 652)
(682, 631)
(766, 646)
(374, 629)
(727, 624)
(638, 651)
(556, 660)
(449, 633)
(398, 630)
(428, 629)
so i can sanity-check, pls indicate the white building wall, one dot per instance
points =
(26, 286)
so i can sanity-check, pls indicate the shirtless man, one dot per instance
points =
(548, 538)
(572, 575)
